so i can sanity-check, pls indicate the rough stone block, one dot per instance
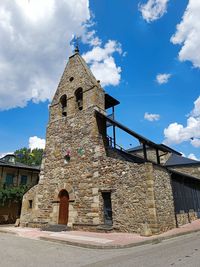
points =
(96, 199)
(95, 191)
(96, 220)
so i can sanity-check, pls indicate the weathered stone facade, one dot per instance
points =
(76, 160)
(151, 155)
(192, 170)
(164, 205)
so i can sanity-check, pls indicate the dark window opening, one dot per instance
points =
(63, 102)
(30, 204)
(9, 180)
(107, 208)
(79, 98)
(71, 79)
(23, 180)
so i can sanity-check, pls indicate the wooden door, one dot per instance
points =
(63, 209)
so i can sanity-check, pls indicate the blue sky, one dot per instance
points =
(127, 45)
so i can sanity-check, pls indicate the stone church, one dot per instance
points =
(89, 182)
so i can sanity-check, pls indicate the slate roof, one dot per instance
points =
(136, 148)
(161, 146)
(110, 101)
(176, 160)
(20, 165)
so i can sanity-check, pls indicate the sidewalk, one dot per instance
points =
(99, 240)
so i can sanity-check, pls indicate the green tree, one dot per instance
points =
(30, 157)
(9, 194)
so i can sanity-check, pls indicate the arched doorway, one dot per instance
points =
(64, 207)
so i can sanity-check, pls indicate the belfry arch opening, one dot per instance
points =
(63, 103)
(63, 207)
(79, 98)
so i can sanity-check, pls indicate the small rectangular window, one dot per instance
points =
(9, 179)
(107, 208)
(23, 180)
(30, 204)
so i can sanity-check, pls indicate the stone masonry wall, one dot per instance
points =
(193, 170)
(128, 184)
(57, 173)
(151, 155)
(29, 214)
(130, 188)
(88, 172)
(164, 203)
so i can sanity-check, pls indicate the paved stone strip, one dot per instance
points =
(99, 240)
(81, 238)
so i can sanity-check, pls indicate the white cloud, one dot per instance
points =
(99, 54)
(35, 10)
(192, 156)
(176, 133)
(195, 142)
(35, 40)
(151, 117)
(196, 111)
(102, 63)
(107, 72)
(153, 9)
(163, 78)
(36, 142)
(188, 34)
(91, 38)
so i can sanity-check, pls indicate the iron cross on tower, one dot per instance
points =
(77, 39)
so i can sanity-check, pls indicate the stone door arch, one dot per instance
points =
(63, 207)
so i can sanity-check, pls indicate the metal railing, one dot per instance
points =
(112, 143)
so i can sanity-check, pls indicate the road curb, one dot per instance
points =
(7, 232)
(94, 246)
(154, 240)
(180, 234)
(130, 245)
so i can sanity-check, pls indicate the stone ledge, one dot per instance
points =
(55, 228)
(33, 224)
(105, 227)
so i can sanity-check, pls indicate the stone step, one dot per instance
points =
(55, 228)
(104, 228)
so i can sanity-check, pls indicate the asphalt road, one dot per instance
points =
(22, 252)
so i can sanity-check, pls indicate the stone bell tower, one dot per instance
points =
(77, 91)
(73, 148)
(85, 182)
